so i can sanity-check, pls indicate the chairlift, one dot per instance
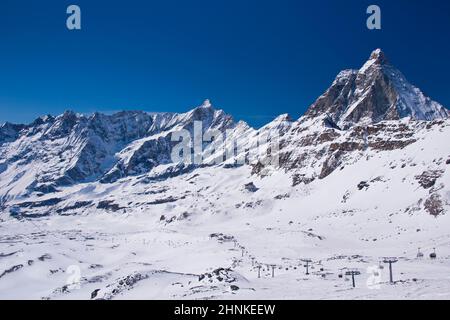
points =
(433, 255)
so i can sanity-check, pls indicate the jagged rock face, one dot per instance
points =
(312, 150)
(146, 154)
(372, 94)
(73, 148)
(9, 132)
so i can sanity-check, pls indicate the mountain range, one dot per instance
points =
(367, 163)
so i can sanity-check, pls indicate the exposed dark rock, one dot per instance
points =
(165, 200)
(38, 204)
(10, 270)
(4, 255)
(362, 185)
(252, 204)
(45, 257)
(221, 237)
(123, 284)
(76, 205)
(301, 178)
(172, 219)
(257, 168)
(109, 205)
(184, 215)
(250, 187)
(94, 293)
(331, 164)
(45, 188)
(346, 146)
(18, 214)
(192, 177)
(233, 165)
(170, 172)
(428, 178)
(219, 274)
(434, 205)
(390, 144)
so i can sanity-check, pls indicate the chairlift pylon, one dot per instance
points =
(419, 254)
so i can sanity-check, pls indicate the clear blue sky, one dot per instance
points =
(255, 59)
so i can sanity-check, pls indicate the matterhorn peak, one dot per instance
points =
(206, 104)
(376, 92)
(376, 60)
(378, 56)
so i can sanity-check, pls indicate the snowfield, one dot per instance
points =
(201, 246)
(91, 207)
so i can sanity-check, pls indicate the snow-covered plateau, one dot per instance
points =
(93, 207)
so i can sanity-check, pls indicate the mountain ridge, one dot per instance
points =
(53, 153)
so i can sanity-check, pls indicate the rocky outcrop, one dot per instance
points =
(434, 205)
(250, 187)
(428, 178)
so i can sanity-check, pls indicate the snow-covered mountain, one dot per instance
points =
(376, 92)
(364, 173)
(73, 148)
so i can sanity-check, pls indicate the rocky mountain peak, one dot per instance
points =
(206, 104)
(207, 114)
(376, 92)
(378, 57)
(376, 64)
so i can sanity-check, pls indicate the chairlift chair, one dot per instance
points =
(433, 255)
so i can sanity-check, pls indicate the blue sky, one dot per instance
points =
(255, 59)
